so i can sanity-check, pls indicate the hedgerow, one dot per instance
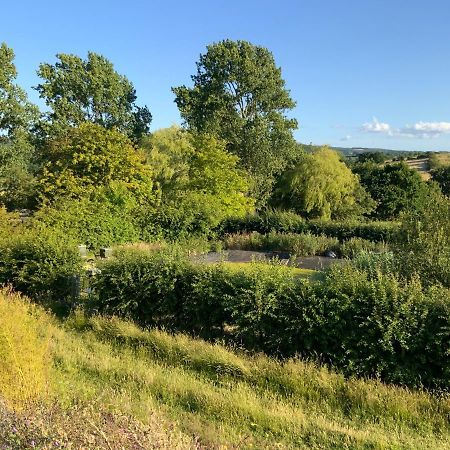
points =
(364, 322)
(285, 222)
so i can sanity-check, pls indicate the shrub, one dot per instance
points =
(24, 339)
(305, 244)
(354, 246)
(374, 263)
(283, 222)
(371, 231)
(95, 223)
(271, 220)
(147, 287)
(382, 326)
(165, 289)
(423, 243)
(39, 263)
(9, 223)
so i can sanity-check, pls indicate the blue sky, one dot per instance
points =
(371, 73)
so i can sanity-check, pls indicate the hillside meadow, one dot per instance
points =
(105, 383)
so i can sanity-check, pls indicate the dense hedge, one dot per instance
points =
(39, 263)
(363, 322)
(274, 221)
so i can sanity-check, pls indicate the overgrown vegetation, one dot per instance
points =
(366, 323)
(113, 384)
(304, 244)
(89, 172)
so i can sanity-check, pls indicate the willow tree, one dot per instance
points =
(322, 186)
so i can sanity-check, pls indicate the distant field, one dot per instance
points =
(422, 166)
(425, 165)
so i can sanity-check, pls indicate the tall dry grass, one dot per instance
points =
(25, 332)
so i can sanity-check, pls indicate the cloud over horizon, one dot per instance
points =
(421, 130)
(377, 127)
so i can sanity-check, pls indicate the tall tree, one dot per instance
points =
(17, 117)
(16, 112)
(240, 96)
(91, 90)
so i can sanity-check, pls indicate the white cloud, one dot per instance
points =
(422, 130)
(426, 129)
(377, 127)
(346, 138)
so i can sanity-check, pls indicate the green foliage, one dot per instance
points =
(287, 222)
(100, 222)
(18, 185)
(264, 222)
(363, 321)
(10, 223)
(39, 263)
(169, 151)
(160, 289)
(395, 187)
(239, 96)
(199, 181)
(441, 176)
(16, 112)
(78, 90)
(352, 247)
(17, 117)
(305, 244)
(423, 244)
(89, 161)
(321, 186)
(380, 326)
(374, 157)
(374, 263)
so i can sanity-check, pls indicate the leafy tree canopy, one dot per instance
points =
(442, 177)
(16, 112)
(395, 187)
(17, 153)
(89, 161)
(200, 182)
(80, 90)
(375, 157)
(169, 151)
(240, 97)
(322, 186)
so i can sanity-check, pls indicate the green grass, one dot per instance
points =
(247, 266)
(208, 396)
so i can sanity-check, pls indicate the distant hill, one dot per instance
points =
(354, 151)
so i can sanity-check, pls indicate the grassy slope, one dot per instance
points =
(227, 399)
